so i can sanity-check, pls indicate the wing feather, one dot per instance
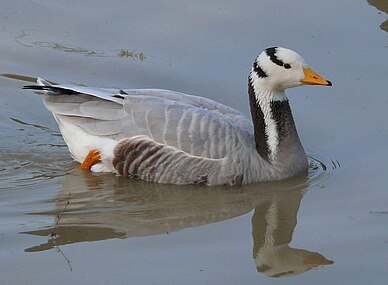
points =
(195, 125)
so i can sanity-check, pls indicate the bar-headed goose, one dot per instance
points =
(170, 137)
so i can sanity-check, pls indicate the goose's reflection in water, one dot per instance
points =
(273, 224)
(91, 208)
(382, 5)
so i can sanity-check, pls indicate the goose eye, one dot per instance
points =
(287, 66)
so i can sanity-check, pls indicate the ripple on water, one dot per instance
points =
(31, 167)
(32, 155)
(321, 168)
(28, 169)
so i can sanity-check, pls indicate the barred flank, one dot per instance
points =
(142, 157)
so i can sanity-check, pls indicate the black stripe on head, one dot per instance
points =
(271, 52)
(260, 72)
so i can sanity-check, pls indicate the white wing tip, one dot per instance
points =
(42, 82)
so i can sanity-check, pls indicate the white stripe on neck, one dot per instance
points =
(264, 97)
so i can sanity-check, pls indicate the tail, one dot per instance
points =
(109, 94)
(44, 85)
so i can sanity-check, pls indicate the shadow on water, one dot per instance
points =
(19, 77)
(99, 207)
(27, 38)
(382, 5)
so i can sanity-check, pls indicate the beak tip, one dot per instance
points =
(329, 83)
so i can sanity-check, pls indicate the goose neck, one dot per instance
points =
(272, 120)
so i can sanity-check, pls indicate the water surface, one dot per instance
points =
(61, 225)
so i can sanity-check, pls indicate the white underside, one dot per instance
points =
(80, 143)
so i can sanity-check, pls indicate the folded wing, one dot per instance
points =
(195, 125)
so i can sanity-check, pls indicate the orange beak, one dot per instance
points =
(312, 78)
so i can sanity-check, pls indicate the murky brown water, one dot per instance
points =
(61, 225)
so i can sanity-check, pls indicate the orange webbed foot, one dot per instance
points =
(91, 159)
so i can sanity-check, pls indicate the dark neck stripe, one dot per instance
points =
(260, 72)
(261, 138)
(271, 52)
(282, 115)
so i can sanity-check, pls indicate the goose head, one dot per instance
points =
(278, 68)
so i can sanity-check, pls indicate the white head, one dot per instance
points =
(279, 68)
